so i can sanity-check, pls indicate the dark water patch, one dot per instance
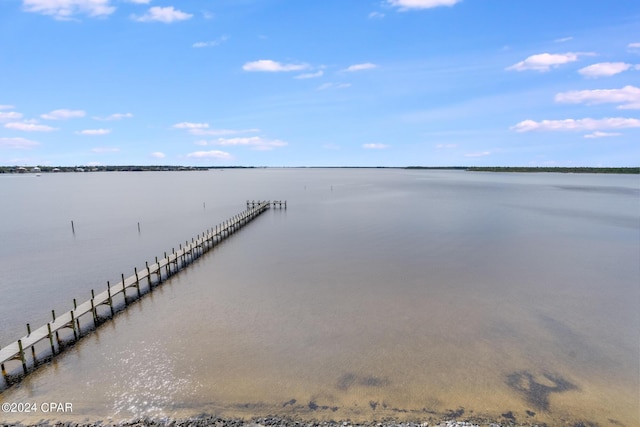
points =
(509, 416)
(601, 189)
(315, 407)
(536, 393)
(290, 402)
(609, 218)
(454, 413)
(349, 380)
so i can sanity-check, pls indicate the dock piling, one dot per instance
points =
(109, 297)
(124, 290)
(24, 362)
(73, 326)
(53, 349)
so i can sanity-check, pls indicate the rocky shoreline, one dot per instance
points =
(215, 421)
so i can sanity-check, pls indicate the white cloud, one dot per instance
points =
(376, 15)
(11, 115)
(628, 97)
(63, 114)
(272, 66)
(66, 9)
(94, 132)
(633, 46)
(440, 146)
(255, 142)
(139, 1)
(326, 86)
(604, 69)
(375, 146)
(7, 107)
(318, 73)
(599, 134)
(360, 67)
(211, 43)
(202, 129)
(546, 61)
(478, 154)
(105, 150)
(213, 154)
(158, 155)
(190, 125)
(220, 132)
(116, 116)
(29, 126)
(587, 124)
(405, 5)
(563, 39)
(163, 14)
(17, 143)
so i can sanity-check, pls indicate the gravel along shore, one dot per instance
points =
(214, 421)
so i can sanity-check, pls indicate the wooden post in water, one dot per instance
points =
(146, 263)
(73, 325)
(158, 271)
(124, 290)
(73, 229)
(109, 296)
(93, 309)
(24, 363)
(75, 305)
(53, 349)
(95, 315)
(135, 269)
(53, 314)
(33, 349)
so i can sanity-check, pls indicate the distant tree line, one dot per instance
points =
(633, 170)
(131, 168)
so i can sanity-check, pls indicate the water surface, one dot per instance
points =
(410, 294)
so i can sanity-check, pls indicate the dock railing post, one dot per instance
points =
(146, 263)
(95, 315)
(124, 290)
(158, 271)
(53, 349)
(109, 296)
(24, 363)
(73, 325)
(135, 269)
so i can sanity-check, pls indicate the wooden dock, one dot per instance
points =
(149, 277)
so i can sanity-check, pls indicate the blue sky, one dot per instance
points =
(320, 82)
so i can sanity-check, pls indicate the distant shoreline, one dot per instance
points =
(135, 168)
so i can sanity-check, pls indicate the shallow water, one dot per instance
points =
(377, 293)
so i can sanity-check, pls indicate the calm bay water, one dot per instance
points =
(377, 293)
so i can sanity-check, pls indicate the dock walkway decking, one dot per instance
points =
(160, 270)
